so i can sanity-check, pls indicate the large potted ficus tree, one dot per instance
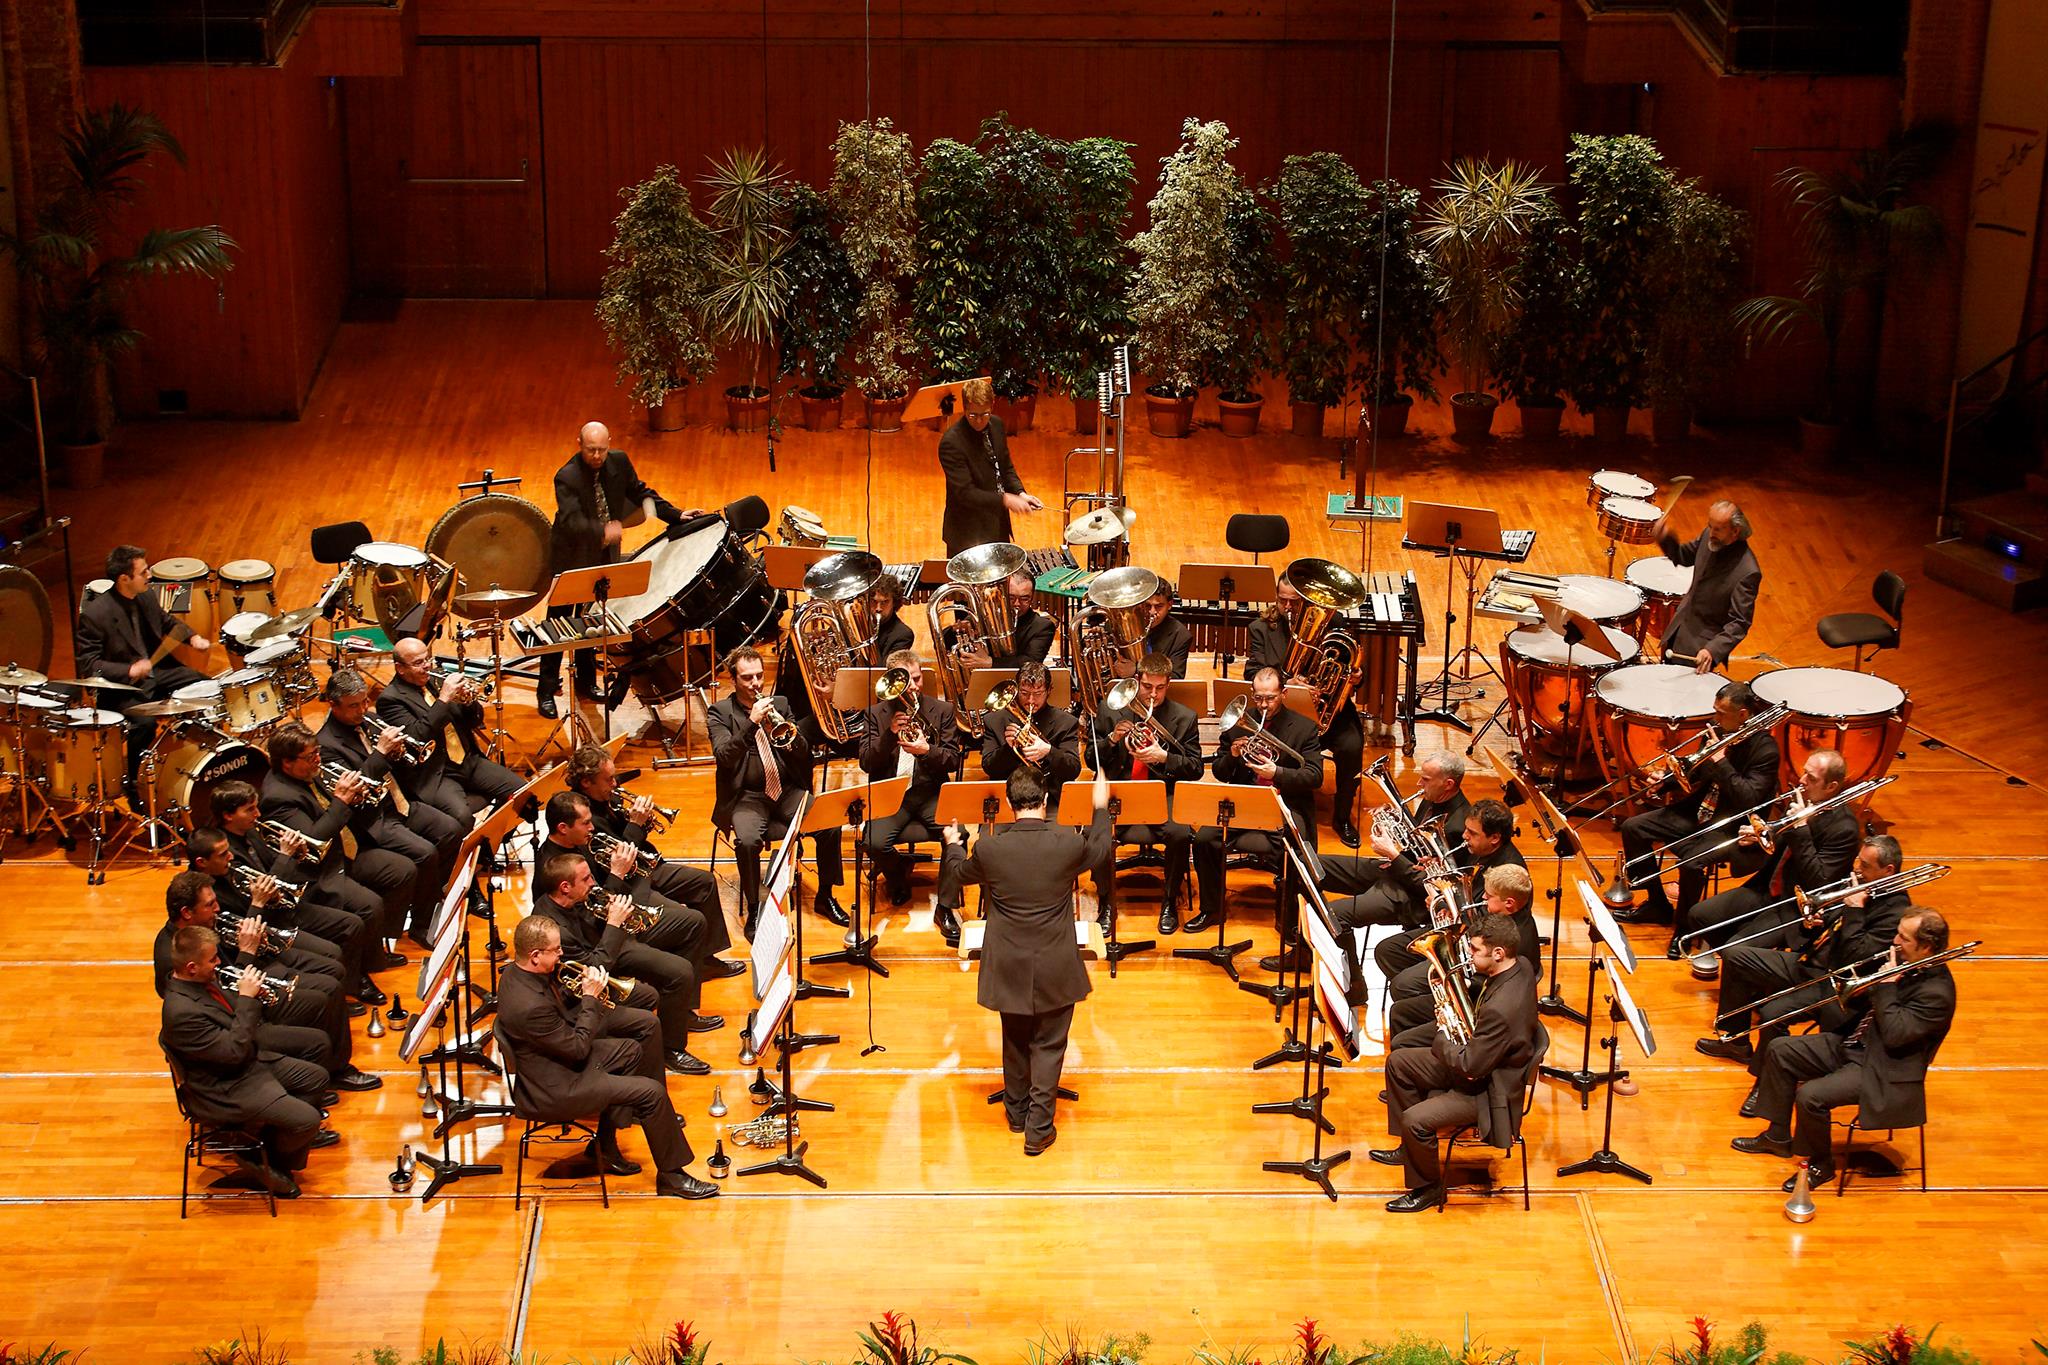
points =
(1178, 293)
(1624, 198)
(872, 171)
(1247, 302)
(821, 309)
(1695, 274)
(1321, 206)
(77, 284)
(1397, 320)
(1025, 243)
(1100, 178)
(1536, 356)
(744, 304)
(1475, 231)
(952, 271)
(651, 300)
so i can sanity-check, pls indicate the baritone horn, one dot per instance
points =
(894, 687)
(835, 629)
(1454, 1012)
(1111, 628)
(1262, 746)
(612, 990)
(970, 617)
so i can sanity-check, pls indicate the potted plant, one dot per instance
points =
(1025, 242)
(77, 286)
(952, 272)
(1184, 261)
(820, 310)
(1100, 176)
(1624, 196)
(1475, 231)
(872, 168)
(651, 299)
(1321, 207)
(744, 304)
(1694, 274)
(1397, 321)
(1856, 226)
(1534, 360)
(1246, 304)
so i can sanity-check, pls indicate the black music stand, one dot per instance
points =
(1341, 1023)
(432, 1011)
(1130, 803)
(1620, 1009)
(772, 1015)
(1230, 807)
(852, 808)
(1226, 583)
(1600, 928)
(1464, 534)
(1564, 844)
(1323, 929)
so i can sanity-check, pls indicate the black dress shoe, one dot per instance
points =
(1201, 922)
(948, 924)
(328, 1099)
(356, 1079)
(383, 960)
(705, 1023)
(1753, 1103)
(684, 1064)
(1763, 1144)
(718, 968)
(1818, 1173)
(546, 707)
(828, 909)
(899, 892)
(1347, 833)
(1415, 1201)
(683, 1185)
(1016, 1125)
(372, 995)
(1674, 950)
(588, 692)
(615, 1162)
(269, 1177)
(1727, 1049)
(1288, 961)
(357, 1009)
(1386, 1156)
(1050, 1139)
(1648, 913)
(1169, 920)
(326, 1137)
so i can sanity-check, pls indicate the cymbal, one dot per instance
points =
(291, 623)
(169, 706)
(14, 675)
(1103, 524)
(101, 683)
(490, 595)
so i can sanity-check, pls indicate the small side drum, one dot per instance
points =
(235, 633)
(248, 585)
(184, 588)
(1629, 521)
(251, 699)
(1604, 600)
(35, 717)
(1644, 710)
(1550, 690)
(1862, 716)
(1613, 483)
(88, 750)
(198, 761)
(1661, 583)
(94, 587)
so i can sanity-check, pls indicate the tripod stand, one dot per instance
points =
(1316, 1167)
(1605, 1159)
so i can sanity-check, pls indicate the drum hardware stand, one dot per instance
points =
(1604, 1160)
(1585, 1080)
(151, 820)
(1445, 712)
(27, 786)
(1469, 565)
(487, 483)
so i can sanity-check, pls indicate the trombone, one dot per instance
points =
(1828, 897)
(274, 832)
(1003, 697)
(1766, 830)
(1262, 740)
(1844, 984)
(892, 687)
(1683, 768)
(274, 990)
(612, 990)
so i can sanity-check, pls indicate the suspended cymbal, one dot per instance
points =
(489, 596)
(14, 675)
(169, 706)
(101, 683)
(1103, 524)
(291, 623)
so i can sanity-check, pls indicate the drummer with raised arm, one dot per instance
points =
(596, 493)
(1715, 613)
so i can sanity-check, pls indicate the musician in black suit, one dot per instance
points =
(596, 493)
(576, 1056)
(352, 872)
(1507, 890)
(343, 919)
(248, 894)
(229, 1076)
(1387, 886)
(1879, 1062)
(1479, 1081)
(593, 775)
(458, 778)
(1715, 613)
(1488, 843)
(1739, 777)
(1174, 754)
(915, 737)
(117, 634)
(1270, 640)
(1817, 848)
(1031, 969)
(1296, 778)
(982, 487)
(1164, 634)
(746, 801)
(1031, 630)
(892, 632)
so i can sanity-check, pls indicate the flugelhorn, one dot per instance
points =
(246, 877)
(228, 925)
(1263, 746)
(612, 990)
(767, 1131)
(659, 818)
(894, 687)
(274, 990)
(645, 860)
(1003, 697)
(274, 832)
(474, 688)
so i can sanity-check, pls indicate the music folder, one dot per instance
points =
(1087, 937)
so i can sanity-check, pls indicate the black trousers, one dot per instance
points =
(917, 821)
(694, 893)
(673, 978)
(166, 678)
(1176, 844)
(1423, 1100)
(375, 885)
(1646, 837)
(1750, 973)
(1740, 900)
(1344, 741)
(624, 1079)
(287, 1125)
(482, 777)
(1209, 858)
(349, 933)
(756, 823)
(1813, 1074)
(1034, 1049)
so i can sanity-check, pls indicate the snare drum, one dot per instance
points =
(86, 750)
(184, 588)
(703, 581)
(1550, 689)
(252, 700)
(248, 585)
(1600, 599)
(200, 760)
(1661, 583)
(287, 662)
(386, 581)
(1644, 710)
(1629, 521)
(1612, 483)
(1862, 716)
(235, 633)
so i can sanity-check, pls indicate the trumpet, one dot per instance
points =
(246, 877)
(782, 731)
(638, 920)
(1003, 697)
(228, 924)
(892, 687)
(380, 787)
(275, 990)
(1263, 746)
(658, 817)
(274, 832)
(1454, 1010)
(474, 688)
(645, 860)
(1846, 983)
(1827, 898)
(410, 748)
(612, 990)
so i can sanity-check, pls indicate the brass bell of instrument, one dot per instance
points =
(1799, 1208)
(718, 1110)
(376, 1028)
(398, 1013)
(720, 1165)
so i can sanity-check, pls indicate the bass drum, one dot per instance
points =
(198, 760)
(26, 632)
(704, 580)
(1859, 714)
(494, 540)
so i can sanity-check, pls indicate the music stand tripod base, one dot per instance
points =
(1315, 1169)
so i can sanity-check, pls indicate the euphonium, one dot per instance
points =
(246, 877)
(1329, 658)
(612, 990)
(638, 920)
(658, 817)
(1394, 822)
(645, 860)
(1003, 697)
(228, 924)
(1446, 987)
(410, 747)
(276, 990)
(274, 831)
(894, 687)
(970, 616)
(1263, 745)
(1111, 627)
(835, 629)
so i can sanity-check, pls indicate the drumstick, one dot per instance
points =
(1678, 487)
(171, 641)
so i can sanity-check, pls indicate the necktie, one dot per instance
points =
(219, 999)
(604, 506)
(1862, 1029)
(1778, 872)
(348, 836)
(398, 801)
(451, 739)
(771, 772)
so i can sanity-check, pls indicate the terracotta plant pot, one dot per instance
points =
(1240, 417)
(1820, 439)
(823, 406)
(1540, 420)
(1670, 423)
(83, 466)
(1086, 414)
(1472, 416)
(1390, 420)
(1610, 424)
(1168, 414)
(1016, 412)
(1306, 419)
(667, 415)
(886, 414)
(746, 407)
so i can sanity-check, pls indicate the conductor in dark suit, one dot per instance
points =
(1715, 613)
(1174, 754)
(1879, 1063)
(1296, 778)
(1031, 969)
(575, 1056)
(596, 493)
(982, 487)
(117, 633)
(1434, 1089)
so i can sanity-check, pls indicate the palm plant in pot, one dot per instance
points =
(1695, 273)
(650, 302)
(1536, 356)
(1397, 321)
(1100, 177)
(820, 311)
(77, 286)
(1475, 231)
(748, 283)
(1322, 209)
(1178, 294)
(1857, 226)
(1624, 196)
(872, 169)
(952, 271)
(1026, 244)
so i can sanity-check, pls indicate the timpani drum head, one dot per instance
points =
(1602, 599)
(1830, 693)
(1542, 645)
(1654, 574)
(1613, 483)
(1663, 691)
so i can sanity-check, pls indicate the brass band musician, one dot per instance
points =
(1168, 748)
(1270, 640)
(913, 736)
(1244, 758)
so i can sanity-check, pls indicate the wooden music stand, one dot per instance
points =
(923, 405)
(975, 803)
(1201, 804)
(786, 565)
(837, 809)
(1130, 803)
(1226, 583)
(1193, 693)
(853, 689)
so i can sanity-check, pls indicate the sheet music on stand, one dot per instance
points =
(1619, 949)
(774, 1004)
(1638, 1022)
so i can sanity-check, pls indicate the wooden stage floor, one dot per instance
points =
(1152, 1213)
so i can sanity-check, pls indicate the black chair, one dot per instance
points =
(1515, 1139)
(211, 1136)
(336, 543)
(1256, 533)
(535, 1121)
(1849, 1152)
(1859, 630)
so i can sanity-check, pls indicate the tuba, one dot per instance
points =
(835, 630)
(970, 615)
(1454, 1010)
(1111, 627)
(1329, 658)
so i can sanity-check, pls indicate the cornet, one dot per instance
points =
(659, 818)
(228, 924)
(1263, 745)
(638, 920)
(410, 748)
(246, 877)
(645, 860)
(767, 1131)
(274, 832)
(782, 731)
(893, 686)
(380, 788)
(612, 990)
(275, 990)
(474, 688)
(1003, 697)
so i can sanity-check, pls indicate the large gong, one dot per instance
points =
(26, 634)
(494, 538)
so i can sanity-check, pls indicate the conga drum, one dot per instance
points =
(1858, 714)
(184, 588)
(1645, 710)
(1550, 688)
(248, 585)
(1661, 583)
